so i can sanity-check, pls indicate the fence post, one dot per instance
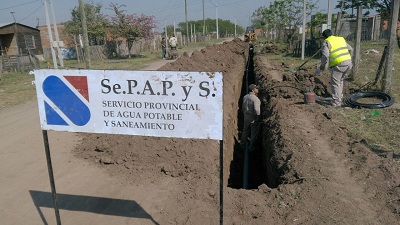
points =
(387, 77)
(356, 53)
(18, 63)
(1, 66)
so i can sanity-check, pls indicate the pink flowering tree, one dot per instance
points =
(130, 27)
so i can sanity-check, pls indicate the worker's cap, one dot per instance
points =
(253, 86)
(326, 33)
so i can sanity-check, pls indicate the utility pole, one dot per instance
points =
(165, 26)
(216, 15)
(204, 23)
(235, 25)
(56, 33)
(191, 32)
(329, 14)
(303, 40)
(187, 25)
(387, 77)
(16, 32)
(53, 54)
(174, 29)
(85, 35)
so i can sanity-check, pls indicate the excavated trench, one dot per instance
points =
(261, 166)
(182, 176)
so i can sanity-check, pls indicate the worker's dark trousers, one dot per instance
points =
(251, 126)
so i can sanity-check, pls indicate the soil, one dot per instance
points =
(306, 169)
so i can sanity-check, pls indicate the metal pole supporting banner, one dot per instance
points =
(51, 176)
(221, 182)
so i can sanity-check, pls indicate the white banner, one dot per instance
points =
(148, 103)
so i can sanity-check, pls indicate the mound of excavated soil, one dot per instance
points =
(305, 171)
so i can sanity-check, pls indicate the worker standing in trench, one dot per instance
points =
(251, 110)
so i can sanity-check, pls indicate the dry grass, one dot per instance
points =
(381, 132)
(17, 88)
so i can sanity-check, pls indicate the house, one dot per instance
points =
(19, 39)
(67, 40)
(259, 32)
(373, 28)
(386, 28)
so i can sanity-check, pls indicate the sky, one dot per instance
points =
(32, 12)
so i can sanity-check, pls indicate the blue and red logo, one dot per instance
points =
(66, 100)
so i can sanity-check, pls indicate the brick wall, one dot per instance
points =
(44, 34)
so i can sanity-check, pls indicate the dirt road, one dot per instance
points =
(86, 194)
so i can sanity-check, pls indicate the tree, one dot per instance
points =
(96, 21)
(383, 7)
(257, 20)
(284, 16)
(130, 27)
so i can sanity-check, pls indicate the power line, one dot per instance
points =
(19, 5)
(32, 12)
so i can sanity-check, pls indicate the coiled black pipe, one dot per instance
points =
(387, 100)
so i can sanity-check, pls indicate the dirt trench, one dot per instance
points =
(306, 170)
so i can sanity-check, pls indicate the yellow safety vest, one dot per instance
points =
(338, 51)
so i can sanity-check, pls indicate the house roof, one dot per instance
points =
(2, 25)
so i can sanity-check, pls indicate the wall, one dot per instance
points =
(8, 39)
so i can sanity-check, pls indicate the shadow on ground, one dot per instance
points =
(98, 205)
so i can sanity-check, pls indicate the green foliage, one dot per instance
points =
(318, 19)
(96, 22)
(381, 6)
(130, 27)
(283, 15)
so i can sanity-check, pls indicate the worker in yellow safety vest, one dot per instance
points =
(337, 51)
